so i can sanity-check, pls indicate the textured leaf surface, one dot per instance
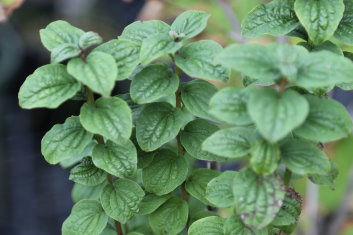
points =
(64, 141)
(49, 86)
(98, 71)
(151, 202)
(265, 157)
(87, 174)
(120, 200)
(152, 83)
(117, 159)
(344, 31)
(89, 39)
(166, 172)
(275, 114)
(87, 217)
(219, 190)
(197, 60)
(328, 179)
(63, 52)
(109, 117)
(190, 23)
(327, 121)
(234, 226)
(275, 18)
(212, 225)
(85, 153)
(257, 198)
(170, 218)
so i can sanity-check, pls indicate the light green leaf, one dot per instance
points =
(197, 60)
(87, 174)
(230, 143)
(327, 121)
(197, 182)
(151, 202)
(196, 96)
(212, 225)
(117, 159)
(344, 31)
(275, 114)
(234, 226)
(48, 87)
(166, 172)
(327, 180)
(109, 117)
(64, 141)
(265, 157)
(120, 200)
(89, 39)
(170, 218)
(98, 71)
(303, 157)
(274, 18)
(87, 217)
(80, 192)
(257, 198)
(63, 52)
(126, 54)
(190, 23)
(230, 105)
(59, 32)
(219, 190)
(85, 153)
(320, 18)
(152, 83)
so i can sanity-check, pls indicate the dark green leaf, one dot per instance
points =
(80, 192)
(151, 202)
(326, 46)
(344, 31)
(265, 157)
(219, 190)
(327, 180)
(87, 174)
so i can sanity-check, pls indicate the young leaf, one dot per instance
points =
(166, 172)
(190, 23)
(196, 96)
(170, 218)
(212, 225)
(197, 60)
(320, 18)
(117, 159)
(98, 71)
(275, 114)
(87, 174)
(274, 18)
(219, 190)
(230, 143)
(327, 180)
(89, 39)
(59, 32)
(120, 200)
(265, 157)
(234, 226)
(109, 117)
(303, 157)
(87, 217)
(152, 83)
(327, 121)
(151, 202)
(64, 141)
(63, 52)
(48, 87)
(80, 192)
(344, 31)
(257, 198)
(197, 182)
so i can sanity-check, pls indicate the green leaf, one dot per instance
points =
(196, 96)
(344, 31)
(303, 157)
(192, 136)
(275, 18)
(121, 199)
(89, 39)
(87, 174)
(197, 60)
(63, 52)
(64, 141)
(219, 190)
(156, 46)
(48, 87)
(87, 217)
(59, 32)
(327, 121)
(197, 182)
(212, 225)
(190, 23)
(98, 71)
(158, 124)
(320, 18)
(327, 180)
(166, 172)
(144, 158)
(230, 105)
(170, 218)
(326, 46)
(85, 153)
(152, 83)
(230, 143)
(109, 117)
(234, 226)
(275, 114)
(265, 157)
(257, 198)
(151, 202)
(126, 54)
(140, 30)
(80, 192)
(117, 159)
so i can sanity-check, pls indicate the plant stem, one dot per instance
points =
(287, 177)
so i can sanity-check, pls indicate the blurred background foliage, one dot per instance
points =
(34, 196)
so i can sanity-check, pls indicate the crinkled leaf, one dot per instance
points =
(80, 192)
(151, 202)
(212, 225)
(89, 39)
(87, 173)
(63, 52)
(219, 190)
(327, 180)
(344, 31)
(234, 226)
(265, 157)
